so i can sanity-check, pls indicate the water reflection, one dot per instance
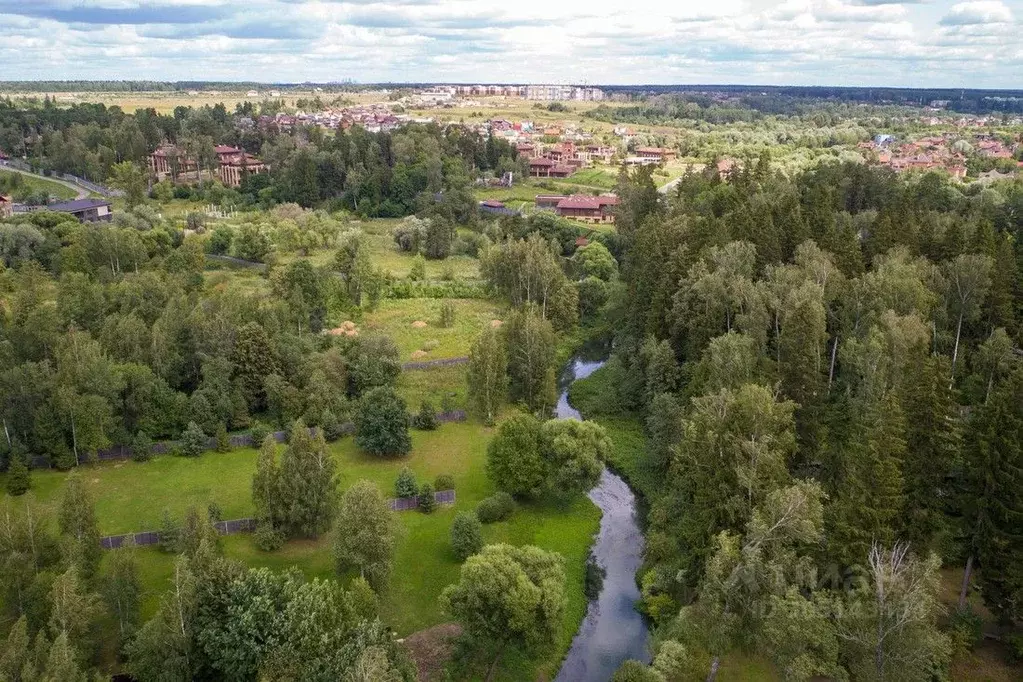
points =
(613, 630)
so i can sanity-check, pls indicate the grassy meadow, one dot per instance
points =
(33, 183)
(131, 496)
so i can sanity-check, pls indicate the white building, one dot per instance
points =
(563, 92)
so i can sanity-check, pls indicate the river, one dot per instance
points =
(612, 630)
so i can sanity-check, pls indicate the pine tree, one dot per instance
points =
(994, 511)
(870, 495)
(933, 441)
(19, 480)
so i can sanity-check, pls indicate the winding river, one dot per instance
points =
(613, 630)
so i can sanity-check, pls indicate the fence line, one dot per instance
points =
(122, 452)
(74, 179)
(430, 364)
(152, 537)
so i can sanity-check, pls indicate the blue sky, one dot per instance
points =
(925, 43)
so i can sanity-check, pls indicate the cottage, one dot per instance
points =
(6, 207)
(548, 168)
(588, 209)
(86, 210)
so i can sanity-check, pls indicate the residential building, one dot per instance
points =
(582, 207)
(548, 168)
(660, 154)
(233, 171)
(86, 210)
(6, 207)
(169, 162)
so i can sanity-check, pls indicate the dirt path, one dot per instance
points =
(82, 193)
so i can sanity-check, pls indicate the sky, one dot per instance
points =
(906, 43)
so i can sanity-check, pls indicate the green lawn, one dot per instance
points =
(32, 184)
(131, 496)
(395, 317)
(594, 177)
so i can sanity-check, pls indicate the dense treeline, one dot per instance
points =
(111, 336)
(787, 98)
(385, 174)
(830, 375)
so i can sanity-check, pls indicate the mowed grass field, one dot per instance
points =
(35, 184)
(131, 496)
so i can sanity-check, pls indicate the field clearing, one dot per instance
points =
(166, 102)
(395, 318)
(443, 386)
(33, 183)
(131, 496)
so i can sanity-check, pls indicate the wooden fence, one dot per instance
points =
(122, 452)
(152, 537)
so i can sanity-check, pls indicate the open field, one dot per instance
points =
(397, 318)
(166, 102)
(132, 496)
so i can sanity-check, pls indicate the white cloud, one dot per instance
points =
(978, 12)
(842, 42)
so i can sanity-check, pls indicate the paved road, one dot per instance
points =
(82, 193)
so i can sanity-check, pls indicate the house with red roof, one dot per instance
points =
(548, 168)
(582, 207)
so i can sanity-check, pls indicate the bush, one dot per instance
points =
(497, 507)
(215, 513)
(634, 671)
(466, 535)
(381, 424)
(1015, 647)
(220, 241)
(444, 482)
(259, 431)
(426, 419)
(967, 629)
(268, 538)
(193, 441)
(427, 502)
(447, 314)
(417, 272)
(406, 484)
(141, 447)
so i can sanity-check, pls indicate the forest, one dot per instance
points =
(370, 174)
(815, 384)
(829, 374)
